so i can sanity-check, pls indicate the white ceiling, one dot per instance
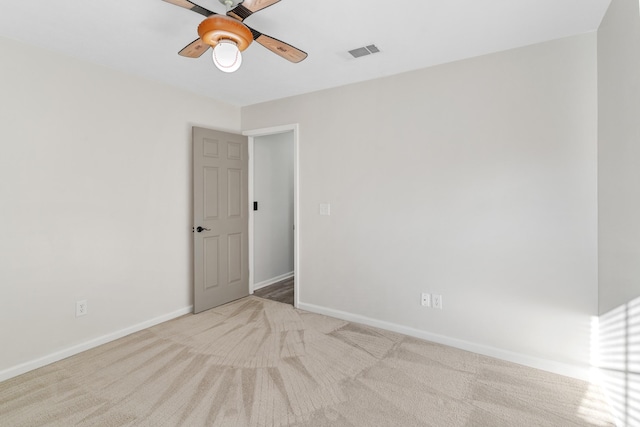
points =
(143, 37)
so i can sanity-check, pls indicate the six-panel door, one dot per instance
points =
(221, 258)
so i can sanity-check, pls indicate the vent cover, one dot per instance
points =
(364, 51)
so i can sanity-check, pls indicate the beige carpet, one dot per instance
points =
(256, 362)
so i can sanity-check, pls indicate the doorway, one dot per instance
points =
(273, 214)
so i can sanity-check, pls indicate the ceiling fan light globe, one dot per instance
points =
(227, 56)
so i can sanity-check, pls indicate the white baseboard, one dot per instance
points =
(79, 348)
(582, 373)
(273, 280)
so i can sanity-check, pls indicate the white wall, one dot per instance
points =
(273, 221)
(619, 154)
(95, 200)
(619, 207)
(475, 180)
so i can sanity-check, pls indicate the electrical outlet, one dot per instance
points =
(425, 299)
(81, 308)
(437, 301)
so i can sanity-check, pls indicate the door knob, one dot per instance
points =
(201, 229)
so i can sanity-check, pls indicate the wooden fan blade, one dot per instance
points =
(249, 7)
(191, 6)
(279, 47)
(195, 49)
(256, 5)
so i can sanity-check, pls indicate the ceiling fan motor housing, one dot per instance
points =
(219, 27)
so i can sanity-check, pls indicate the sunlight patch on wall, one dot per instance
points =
(619, 361)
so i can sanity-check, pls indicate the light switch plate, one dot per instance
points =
(325, 209)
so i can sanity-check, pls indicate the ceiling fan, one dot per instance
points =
(228, 35)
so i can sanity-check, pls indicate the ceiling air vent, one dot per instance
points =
(363, 51)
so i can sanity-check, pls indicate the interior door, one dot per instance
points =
(220, 218)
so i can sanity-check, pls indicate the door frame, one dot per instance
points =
(252, 134)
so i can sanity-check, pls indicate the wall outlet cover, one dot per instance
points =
(81, 308)
(437, 301)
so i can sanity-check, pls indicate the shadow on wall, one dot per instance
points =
(619, 361)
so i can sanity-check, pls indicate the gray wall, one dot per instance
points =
(94, 201)
(475, 180)
(619, 154)
(273, 221)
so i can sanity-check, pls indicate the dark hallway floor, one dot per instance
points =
(281, 291)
